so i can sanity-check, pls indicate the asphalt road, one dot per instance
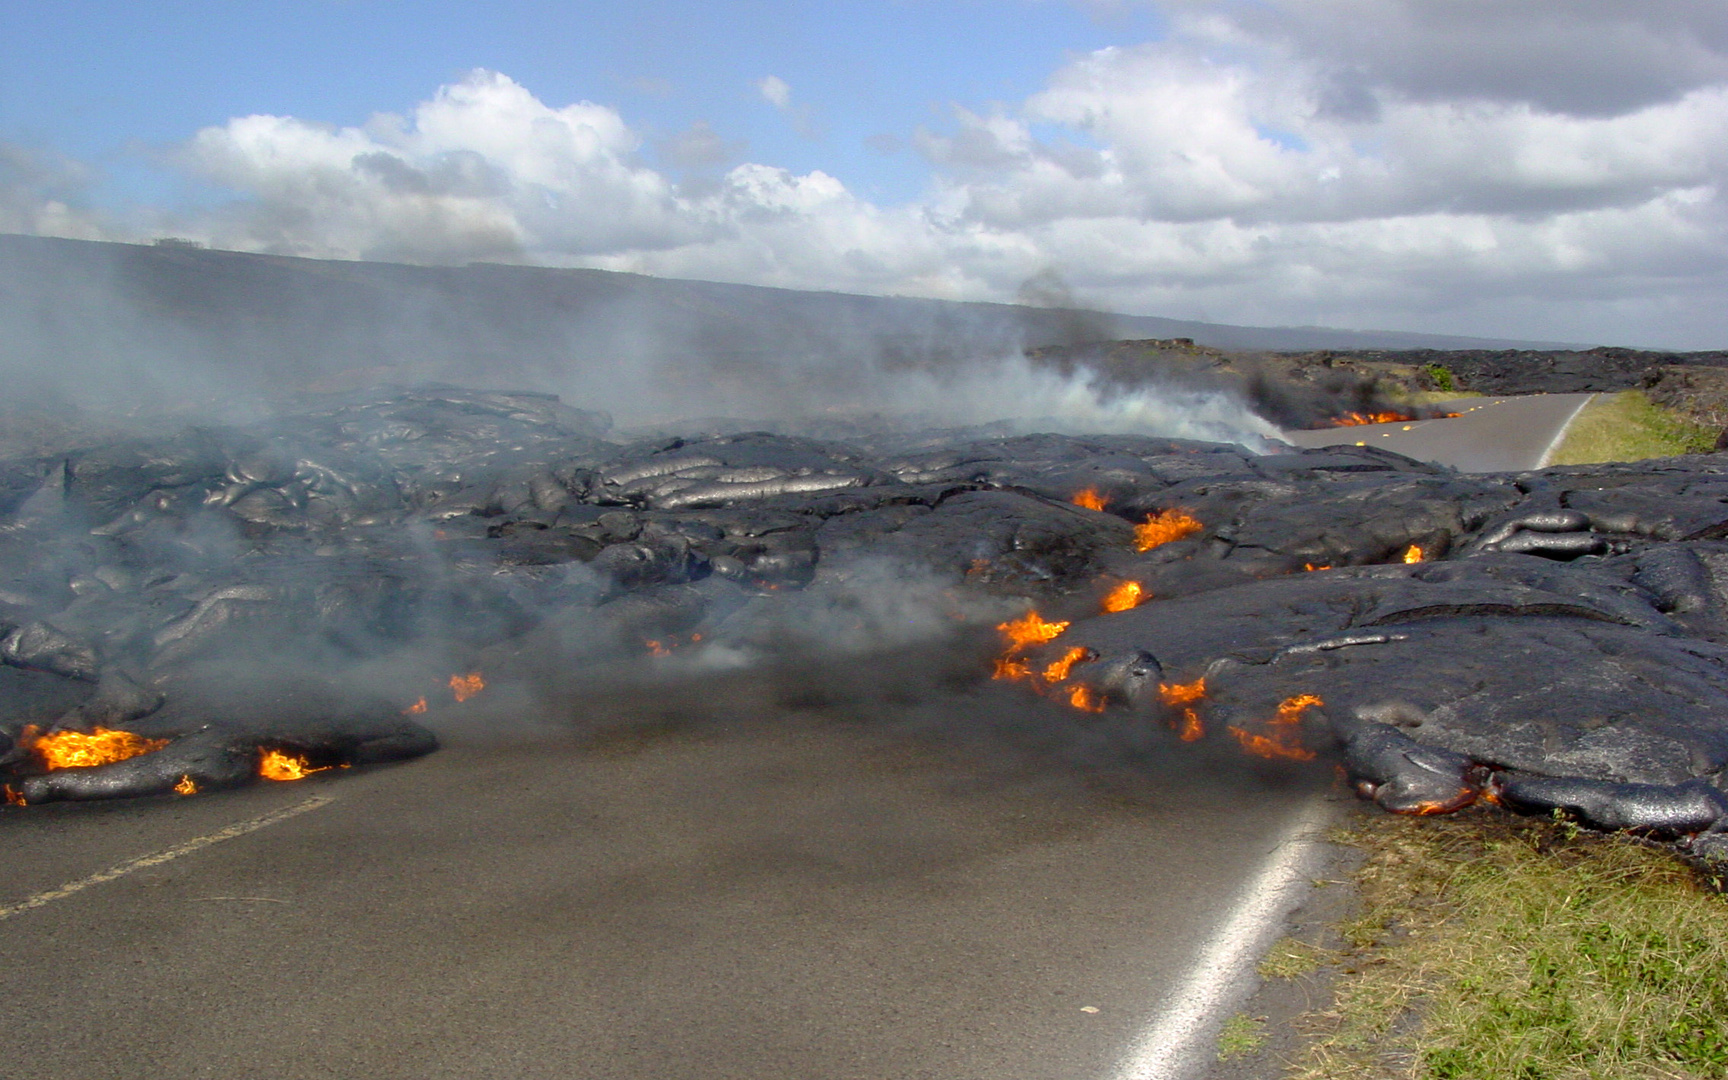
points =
(723, 886)
(1503, 434)
(799, 898)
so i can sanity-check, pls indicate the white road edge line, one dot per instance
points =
(145, 861)
(1174, 1045)
(1560, 436)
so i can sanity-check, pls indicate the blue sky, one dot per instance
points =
(1553, 169)
(110, 82)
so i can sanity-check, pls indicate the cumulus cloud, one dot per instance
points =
(1581, 57)
(482, 170)
(1544, 170)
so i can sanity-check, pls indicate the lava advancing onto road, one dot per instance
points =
(199, 608)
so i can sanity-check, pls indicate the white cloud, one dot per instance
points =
(1341, 161)
(775, 91)
(42, 193)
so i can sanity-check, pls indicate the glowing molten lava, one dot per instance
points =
(1183, 696)
(1029, 630)
(417, 708)
(1282, 740)
(279, 765)
(1019, 635)
(13, 798)
(1163, 527)
(1357, 418)
(1059, 669)
(76, 749)
(1082, 697)
(185, 786)
(1413, 554)
(466, 686)
(657, 649)
(1088, 498)
(1127, 595)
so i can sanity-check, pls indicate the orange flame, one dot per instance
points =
(417, 708)
(1019, 635)
(1183, 696)
(278, 765)
(466, 686)
(1082, 698)
(1282, 740)
(1464, 798)
(1029, 630)
(1356, 418)
(13, 798)
(1129, 594)
(1182, 693)
(1163, 527)
(1088, 498)
(185, 786)
(1413, 554)
(1059, 669)
(76, 749)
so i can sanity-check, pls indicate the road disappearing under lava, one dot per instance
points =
(733, 889)
(1492, 434)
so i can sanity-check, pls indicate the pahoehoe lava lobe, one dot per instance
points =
(1556, 639)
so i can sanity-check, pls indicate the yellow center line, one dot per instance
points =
(158, 858)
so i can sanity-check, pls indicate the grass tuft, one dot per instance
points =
(1290, 958)
(1493, 948)
(1241, 1035)
(1630, 427)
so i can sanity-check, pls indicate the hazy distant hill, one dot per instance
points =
(112, 316)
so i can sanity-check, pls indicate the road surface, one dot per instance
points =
(797, 898)
(726, 887)
(1504, 434)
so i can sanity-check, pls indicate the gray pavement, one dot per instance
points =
(798, 898)
(1504, 434)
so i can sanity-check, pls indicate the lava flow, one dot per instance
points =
(1059, 668)
(1358, 418)
(466, 686)
(1082, 697)
(1183, 696)
(100, 746)
(1283, 738)
(1163, 527)
(1032, 630)
(1413, 554)
(1022, 634)
(1129, 594)
(1089, 498)
(280, 765)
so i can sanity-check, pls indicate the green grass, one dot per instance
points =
(1629, 427)
(1241, 1034)
(1492, 948)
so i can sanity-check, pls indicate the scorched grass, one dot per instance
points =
(1489, 949)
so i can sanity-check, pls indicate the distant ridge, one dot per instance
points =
(76, 306)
